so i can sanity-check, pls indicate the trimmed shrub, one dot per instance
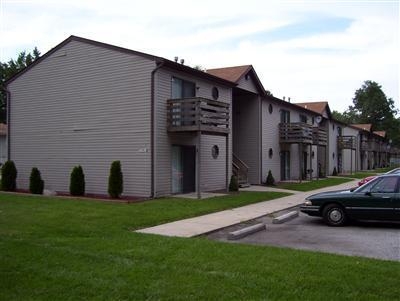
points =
(233, 185)
(270, 179)
(77, 181)
(334, 173)
(115, 180)
(9, 176)
(36, 184)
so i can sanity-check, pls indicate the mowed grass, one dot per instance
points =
(312, 185)
(58, 249)
(359, 175)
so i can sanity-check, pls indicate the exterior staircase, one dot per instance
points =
(241, 171)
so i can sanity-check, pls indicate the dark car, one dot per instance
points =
(378, 199)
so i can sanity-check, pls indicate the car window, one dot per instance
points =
(385, 185)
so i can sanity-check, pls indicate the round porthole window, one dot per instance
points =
(270, 153)
(215, 93)
(270, 109)
(215, 151)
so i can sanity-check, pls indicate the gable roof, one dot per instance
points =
(157, 59)
(363, 126)
(236, 73)
(380, 133)
(318, 107)
(233, 74)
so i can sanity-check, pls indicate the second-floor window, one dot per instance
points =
(182, 88)
(285, 116)
(303, 118)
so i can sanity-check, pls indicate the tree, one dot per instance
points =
(233, 184)
(36, 184)
(9, 69)
(115, 180)
(371, 105)
(77, 181)
(9, 176)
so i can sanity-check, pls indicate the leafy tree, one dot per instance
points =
(77, 181)
(9, 69)
(36, 184)
(9, 176)
(115, 180)
(371, 105)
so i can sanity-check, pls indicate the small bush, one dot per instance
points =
(270, 179)
(334, 173)
(77, 181)
(233, 185)
(115, 180)
(9, 176)
(36, 184)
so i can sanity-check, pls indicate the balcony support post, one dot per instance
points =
(198, 165)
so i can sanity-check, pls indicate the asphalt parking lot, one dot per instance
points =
(368, 239)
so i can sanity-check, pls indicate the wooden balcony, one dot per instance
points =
(320, 137)
(299, 132)
(346, 142)
(198, 114)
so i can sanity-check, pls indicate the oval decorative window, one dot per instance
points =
(270, 109)
(215, 93)
(215, 151)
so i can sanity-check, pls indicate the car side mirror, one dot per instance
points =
(368, 193)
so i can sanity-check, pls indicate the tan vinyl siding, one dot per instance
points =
(213, 172)
(84, 105)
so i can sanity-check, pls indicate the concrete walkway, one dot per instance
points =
(207, 223)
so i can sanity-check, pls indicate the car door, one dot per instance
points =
(376, 200)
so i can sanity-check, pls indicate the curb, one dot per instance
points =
(246, 231)
(285, 217)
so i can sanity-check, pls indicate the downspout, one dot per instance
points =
(152, 128)
(8, 103)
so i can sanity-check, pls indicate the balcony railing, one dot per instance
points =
(300, 132)
(198, 114)
(320, 137)
(346, 142)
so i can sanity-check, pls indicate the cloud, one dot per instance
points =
(309, 50)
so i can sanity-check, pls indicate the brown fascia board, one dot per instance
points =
(157, 59)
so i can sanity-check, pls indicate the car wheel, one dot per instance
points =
(334, 215)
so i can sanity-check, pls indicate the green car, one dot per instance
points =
(378, 199)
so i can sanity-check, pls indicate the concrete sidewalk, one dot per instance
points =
(207, 223)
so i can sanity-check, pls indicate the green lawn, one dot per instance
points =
(360, 174)
(315, 184)
(58, 249)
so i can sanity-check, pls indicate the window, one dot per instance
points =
(285, 116)
(182, 88)
(339, 130)
(270, 109)
(215, 93)
(303, 118)
(385, 185)
(215, 151)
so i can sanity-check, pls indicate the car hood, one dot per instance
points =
(340, 193)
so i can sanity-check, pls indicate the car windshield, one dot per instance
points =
(380, 185)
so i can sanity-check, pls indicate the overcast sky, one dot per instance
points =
(306, 50)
